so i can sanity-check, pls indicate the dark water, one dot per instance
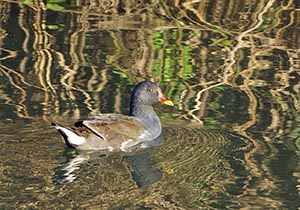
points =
(191, 168)
(231, 68)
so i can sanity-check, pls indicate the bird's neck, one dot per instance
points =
(147, 116)
(142, 111)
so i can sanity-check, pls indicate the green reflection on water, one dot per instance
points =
(176, 55)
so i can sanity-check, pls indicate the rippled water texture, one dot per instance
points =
(190, 168)
(231, 67)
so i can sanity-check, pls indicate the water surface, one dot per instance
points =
(232, 70)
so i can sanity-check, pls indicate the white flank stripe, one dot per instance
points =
(123, 145)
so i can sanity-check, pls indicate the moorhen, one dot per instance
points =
(116, 131)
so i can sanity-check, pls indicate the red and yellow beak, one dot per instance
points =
(164, 100)
(167, 101)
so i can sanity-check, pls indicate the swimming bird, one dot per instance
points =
(113, 131)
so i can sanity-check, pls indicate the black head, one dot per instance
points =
(147, 93)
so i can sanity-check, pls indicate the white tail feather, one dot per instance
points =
(71, 136)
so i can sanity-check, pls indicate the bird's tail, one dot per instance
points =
(70, 137)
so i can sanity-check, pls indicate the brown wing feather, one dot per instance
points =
(82, 131)
(113, 128)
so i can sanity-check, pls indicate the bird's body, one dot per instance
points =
(116, 131)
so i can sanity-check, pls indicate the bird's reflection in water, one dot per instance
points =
(143, 169)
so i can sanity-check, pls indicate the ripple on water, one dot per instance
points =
(191, 168)
(201, 163)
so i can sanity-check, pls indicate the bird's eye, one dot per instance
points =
(149, 90)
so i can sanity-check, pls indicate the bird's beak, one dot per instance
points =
(164, 100)
(167, 101)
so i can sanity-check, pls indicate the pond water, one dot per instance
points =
(231, 68)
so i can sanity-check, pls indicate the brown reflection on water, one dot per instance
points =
(81, 57)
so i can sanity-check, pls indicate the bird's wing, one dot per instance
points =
(112, 128)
